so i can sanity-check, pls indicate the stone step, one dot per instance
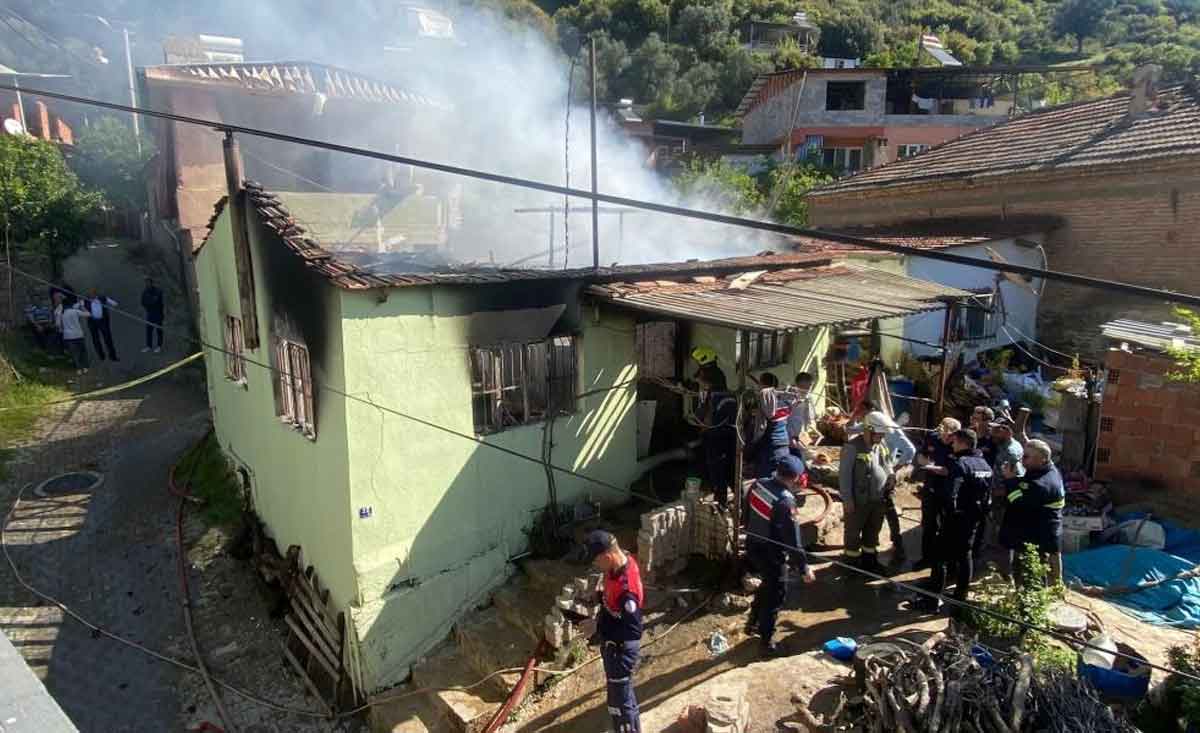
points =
(416, 714)
(489, 643)
(465, 712)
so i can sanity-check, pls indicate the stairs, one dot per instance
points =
(500, 636)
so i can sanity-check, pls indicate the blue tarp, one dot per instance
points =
(1176, 603)
(1181, 541)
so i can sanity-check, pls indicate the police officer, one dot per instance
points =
(866, 476)
(961, 499)
(620, 627)
(934, 460)
(773, 535)
(1035, 503)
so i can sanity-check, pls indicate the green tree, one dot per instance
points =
(652, 71)
(1080, 19)
(1187, 361)
(789, 185)
(854, 35)
(107, 158)
(719, 185)
(42, 203)
(705, 27)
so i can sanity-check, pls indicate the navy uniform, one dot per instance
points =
(620, 629)
(1033, 515)
(719, 442)
(962, 499)
(937, 453)
(772, 534)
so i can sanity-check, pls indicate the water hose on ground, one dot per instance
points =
(518, 691)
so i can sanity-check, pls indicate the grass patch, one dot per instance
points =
(21, 399)
(213, 480)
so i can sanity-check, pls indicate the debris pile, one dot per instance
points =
(949, 684)
(576, 603)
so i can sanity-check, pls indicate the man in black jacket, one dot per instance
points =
(153, 304)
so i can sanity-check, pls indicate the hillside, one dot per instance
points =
(680, 57)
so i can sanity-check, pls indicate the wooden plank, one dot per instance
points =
(306, 620)
(303, 593)
(308, 683)
(317, 653)
(318, 602)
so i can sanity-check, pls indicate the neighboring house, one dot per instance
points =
(666, 141)
(22, 112)
(1003, 310)
(1119, 172)
(1147, 448)
(857, 118)
(371, 446)
(758, 35)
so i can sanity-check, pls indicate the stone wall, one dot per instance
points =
(1149, 443)
(672, 534)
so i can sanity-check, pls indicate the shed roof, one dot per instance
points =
(934, 234)
(1070, 137)
(1157, 336)
(291, 77)
(785, 300)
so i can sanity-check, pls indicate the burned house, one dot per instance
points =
(370, 439)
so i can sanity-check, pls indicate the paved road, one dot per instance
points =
(110, 553)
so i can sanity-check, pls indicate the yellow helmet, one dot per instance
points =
(703, 355)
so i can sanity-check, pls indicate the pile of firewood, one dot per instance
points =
(942, 687)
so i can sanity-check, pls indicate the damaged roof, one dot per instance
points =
(934, 234)
(1158, 336)
(343, 272)
(785, 300)
(1070, 137)
(292, 77)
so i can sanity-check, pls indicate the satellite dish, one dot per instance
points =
(13, 127)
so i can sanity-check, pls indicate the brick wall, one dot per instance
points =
(1149, 445)
(1139, 224)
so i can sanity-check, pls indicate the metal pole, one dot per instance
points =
(739, 450)
(941, 394)
(595, 201)
(20, 105)
(550, 264)
(137, 128)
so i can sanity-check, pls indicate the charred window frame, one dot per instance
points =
(769, 349)
(845, 96)
(516, 383)
(235, 350)
(295, 387)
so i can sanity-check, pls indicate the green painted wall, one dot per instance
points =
(300, 486)
(446, 513)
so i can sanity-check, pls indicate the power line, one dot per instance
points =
(870, 244)
(653, 500)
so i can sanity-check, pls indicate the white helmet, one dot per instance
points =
(878, 422)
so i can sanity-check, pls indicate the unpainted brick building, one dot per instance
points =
(1120, 173)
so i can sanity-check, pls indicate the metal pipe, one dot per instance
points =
(941, 398)
(137, 128)
(595, 176)
(20, 105)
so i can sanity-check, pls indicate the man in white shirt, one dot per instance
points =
(74, 314)
(100, 325)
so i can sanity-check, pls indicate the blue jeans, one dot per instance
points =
(620, 659)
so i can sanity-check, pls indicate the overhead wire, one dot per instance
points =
(681, 211)
(654, 501)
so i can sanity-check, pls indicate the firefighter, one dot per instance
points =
(718, 411)
(620, 627)
(866, 475)
(961, 498)
(772, 535)
(1034, 509)
(933, 460)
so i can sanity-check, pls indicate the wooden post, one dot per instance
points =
(941, 394)
(739, 451)
(238, 219)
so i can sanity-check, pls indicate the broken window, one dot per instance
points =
(519, 383)
(295, 387)
(845, 96)
(235, 349)
(766, 349)
(977, 319)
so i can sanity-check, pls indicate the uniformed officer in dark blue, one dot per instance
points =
(773, 536)
(1035, 504)
(620, 627)
(962, 498)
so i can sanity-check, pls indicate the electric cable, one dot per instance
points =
(657, 502)
(681, 211)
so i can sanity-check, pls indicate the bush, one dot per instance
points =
(208, 474)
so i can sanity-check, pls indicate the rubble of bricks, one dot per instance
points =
(671, 534)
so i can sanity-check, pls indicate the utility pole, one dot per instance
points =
(595, 202)
(137, 131)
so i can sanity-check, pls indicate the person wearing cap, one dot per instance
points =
(866, 475)
(960, 498)
(1006, 453)
(706, 363)
(902, 452)
(933, 461)
(1035, 501)
(619, 625)
(772, 535)
(771, 439)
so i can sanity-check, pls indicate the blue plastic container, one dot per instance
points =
(902, 388)
(1112, 683)
(842, 648)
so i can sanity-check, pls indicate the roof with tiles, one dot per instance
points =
(292, 77)
(934, 234)
(1072, 137)
(342, 272)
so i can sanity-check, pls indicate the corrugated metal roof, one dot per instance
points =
(1159, 336)
(788, 300)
